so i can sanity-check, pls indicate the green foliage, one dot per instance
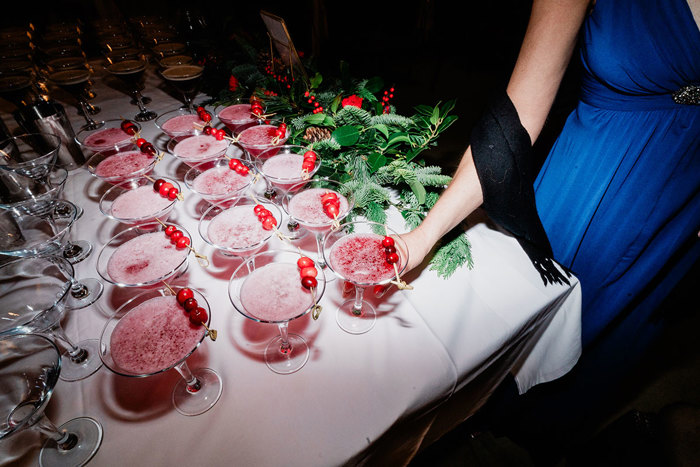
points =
(452, 255)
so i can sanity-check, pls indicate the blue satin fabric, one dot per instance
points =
(619, 194)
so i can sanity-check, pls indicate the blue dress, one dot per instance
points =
(619, 194)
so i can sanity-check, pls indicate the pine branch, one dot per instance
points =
(451, 256)
(351, 115)
(392, 120)
(375, 213)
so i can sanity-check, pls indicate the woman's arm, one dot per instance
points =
(544, 56)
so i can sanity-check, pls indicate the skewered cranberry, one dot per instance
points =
(184, 294)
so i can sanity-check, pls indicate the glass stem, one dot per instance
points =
(250, 264)
(77, 355)
(193, 384)
(319, 247)
(357, 306)
(139, 101)
(285, 346)
(78, 290)
(64, 439)
(86, 113)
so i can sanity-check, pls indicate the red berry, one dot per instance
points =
(198, 316)
(169, 230)
(310, 155)
(208, 130)
(175, 236)
(309, 282)
(309, 271)
(182, 242)
(219, 135)
(140, 141)
(165, 188)
(233, 163)
(379, 290)
(128, 127)
(190, 304)
(200, 109)
(387, 242)
(157, 184)
(329, 196)
(149, 149)
(257, 111)
(332, 210)
(184, 294)
(205, 116)
(263, 213)
(392, 258)
(389, 249)
(258, 208)
(173, 192)
(305, 262)
(269, 223)
(242, 170)
(308, 166)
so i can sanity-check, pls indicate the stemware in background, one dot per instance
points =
(66, 63)
(28, 195)
(131, 73)
(268, 289)
(155, 320)
(35, 292)
(18, 89)
(30, 366)
(238, 229)
(355, 253)
(304, 203)
(32, 155)
(175, 60)
(186, 79)
(168, 49)
(77, 83)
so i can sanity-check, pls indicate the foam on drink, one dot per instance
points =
(360, 258)
(274, 293)
(145, 258)
(219, 181)
(139, 203)
(123, 164)
(200, 148)
(238, 228)
(306, 207)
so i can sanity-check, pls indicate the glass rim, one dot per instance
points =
(220, 162)
(82, 135)
(113, 189)
(98, 157)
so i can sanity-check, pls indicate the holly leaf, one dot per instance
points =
(316, 119)
(346, 135)
(376, 160)
(435, 116)
(383, 129)
(316, 81)
(400, 137)
(418, 189)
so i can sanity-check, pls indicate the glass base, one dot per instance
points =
(77, 251)
(145, 116)
(290, 362)
(89, 434)
(76, 370)
(355, 323)
(292, 230)
(92, 290)
(196, 403)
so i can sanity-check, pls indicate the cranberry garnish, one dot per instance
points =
(199, 316)
(305, 262)
(157, 184)
(190, 304)
(169, 230)
(308, 271)
(182, 242)
(392, 258)
(165, 188)
(309, 282)
(184, 294)
(387, 242)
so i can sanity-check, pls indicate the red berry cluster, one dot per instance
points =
(217, 133)
(198, 315)
(177, 237)
(308, 272)
(390, 250)
(267, 92)
(311, 99)
(146, 147)
(166, 189)
(388, 95)
(265, 216)
(239, 167)
(281, 131)
(309, 161)
(282, 79)
(256, 106)
(203, 114)
(331, 204)
(129, 127)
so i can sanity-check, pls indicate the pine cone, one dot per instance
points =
(314, 134)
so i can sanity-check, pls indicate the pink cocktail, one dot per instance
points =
(152, 333)
(138, 350)
(307, 208)
(199, 148)
(357, 252)
(215, 181)
(283, 168)
(180, 124)
(259, 138)
(237, 117)
(137, 203)
(109, 137)
(119, 167)
(268, 289)
(135, 259)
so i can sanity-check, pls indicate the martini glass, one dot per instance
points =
(24, 234)
(186, 79)
(199, 148)
(32, 155)
(30, 365)
(150, 334)
(168, 49)
(237, 230)
(131, 73)
(354, 252)
(122, 166)
(109, 137)
(303, 203)
(261, 137)
(35, 292)
(77, 83)
(28, 195)
(175, 60)
(217, 183)
(179, 124)
(134, 258)
(237, 117)
(269, 290)
(18, 89)
(136, 203)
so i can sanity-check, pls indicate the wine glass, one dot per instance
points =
(186, 79)
(304, 203)
(216, 182)
(269, 290)
(122, 166)
(77, 83)
(238, 230)
(44, 231)
(152, 333)
(35, 293)
(135, 202)
(134, 258)
(168, 49)
(355, 252)
(261, 137)
(179, 124)
(131, 73)
(32, 155)
(30, 365)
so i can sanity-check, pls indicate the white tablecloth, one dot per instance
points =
(433, 357)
